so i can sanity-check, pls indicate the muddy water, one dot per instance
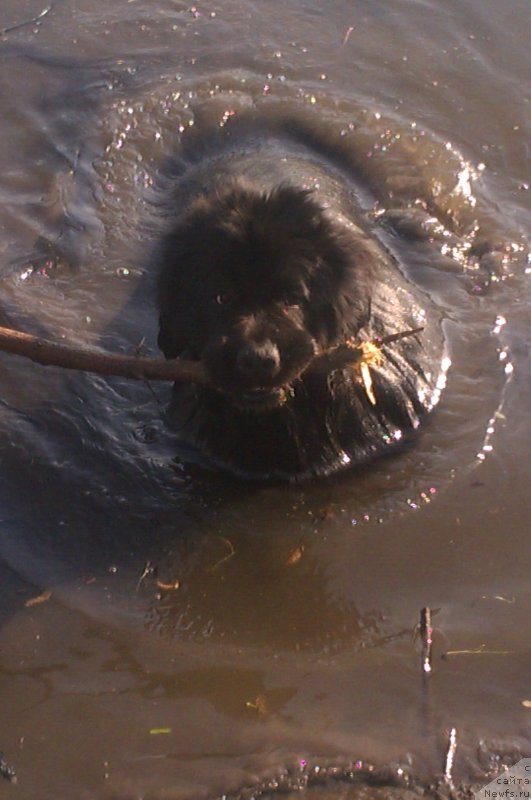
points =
(204, 635)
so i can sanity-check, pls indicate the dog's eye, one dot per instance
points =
(224, 298)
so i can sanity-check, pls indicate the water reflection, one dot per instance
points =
(262, 592)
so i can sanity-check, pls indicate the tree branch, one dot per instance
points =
(47, 353)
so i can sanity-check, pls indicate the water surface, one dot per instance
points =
(290, 640)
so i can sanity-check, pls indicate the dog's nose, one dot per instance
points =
(258, 362)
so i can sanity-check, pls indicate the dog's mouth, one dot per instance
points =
(258, 374)
(261, 398)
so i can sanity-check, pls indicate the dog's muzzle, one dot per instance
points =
(258, 363)
(256, 369)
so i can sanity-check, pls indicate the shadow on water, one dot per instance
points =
(204, 634)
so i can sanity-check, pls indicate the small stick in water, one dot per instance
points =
(33, 21)
(426, 634)
(450, 755)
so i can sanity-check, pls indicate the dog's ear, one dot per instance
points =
(171, 344)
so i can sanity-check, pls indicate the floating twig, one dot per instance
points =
(33, 21)
(36, 601)
(347, 35)
(148, 571)
(449, 760)
(426, 634)
(230, 554)
(478, 651)
(48, 353)
(168, 587)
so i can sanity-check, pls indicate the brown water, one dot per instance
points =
(289, 642)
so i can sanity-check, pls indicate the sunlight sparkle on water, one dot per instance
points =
(446, 363)
(487, 446)
(498, 324)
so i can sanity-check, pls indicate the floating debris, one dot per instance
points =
(169, 587)
(450, 756)
(426, 637)
(227, 557)
(347, 35)
(510, 600)
(139, 346)
(36, 601)
(478, 651)
(295, 556)
(33, 21)
(148, 571)
(259, 704)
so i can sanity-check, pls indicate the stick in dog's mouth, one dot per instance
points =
(358, 355)
(351, 353)
(48, 353)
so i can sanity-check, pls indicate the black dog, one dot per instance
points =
(265, 267)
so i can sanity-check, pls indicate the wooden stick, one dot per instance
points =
(33, 21)
(426, 634)
(450, 756)
(47, 353)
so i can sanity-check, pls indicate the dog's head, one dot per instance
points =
(255, 284)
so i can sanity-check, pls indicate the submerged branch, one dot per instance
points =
(48, 353)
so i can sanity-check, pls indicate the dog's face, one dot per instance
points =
(258, 349)
(255, 285)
